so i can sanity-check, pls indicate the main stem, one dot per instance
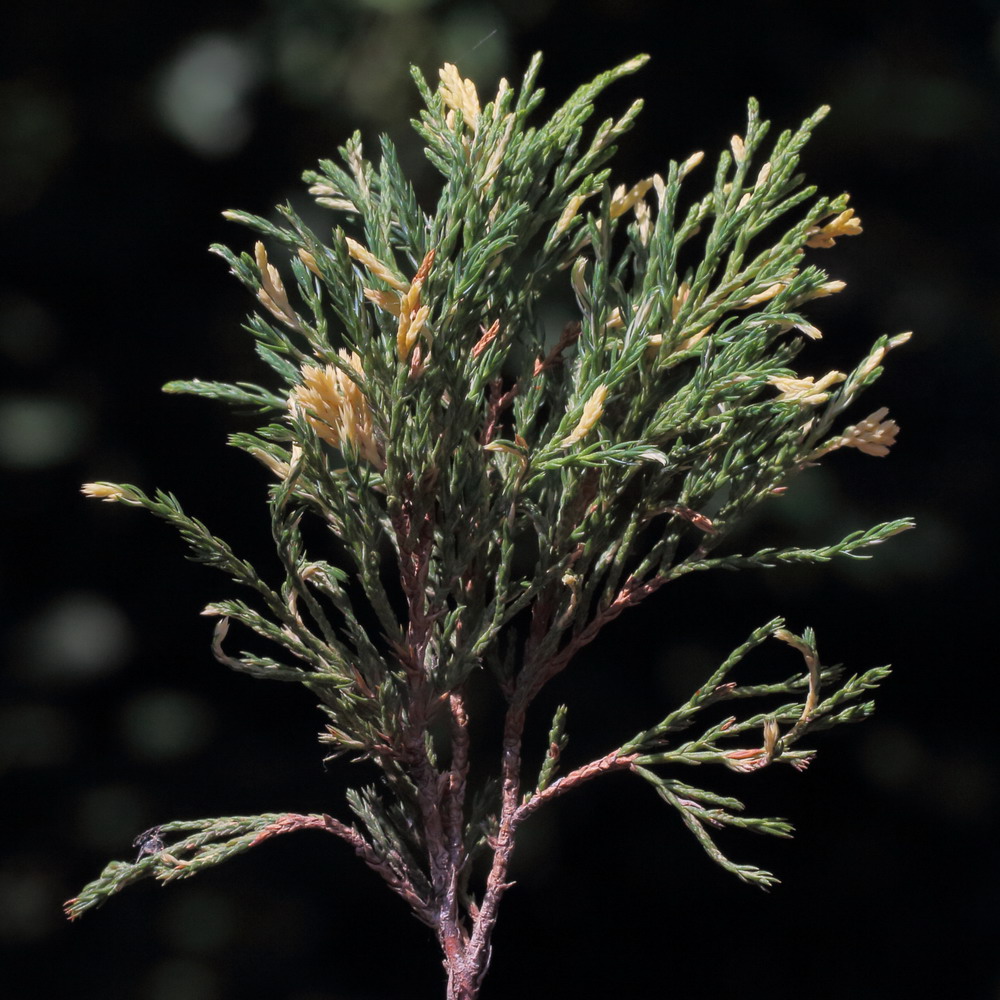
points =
(467, 956)
(467, 952)
(465, 931)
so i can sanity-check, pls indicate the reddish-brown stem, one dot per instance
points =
(290, 822)
(441, 795)
(570, 334)
(466, 972)
(478, 951)
(465, 977)
(632, 592)
(414, 563)
(498, 402)
(613, 761)
(457, 775)
(451, 929)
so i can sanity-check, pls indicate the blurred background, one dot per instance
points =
(125, 130)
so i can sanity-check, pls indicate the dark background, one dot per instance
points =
(124, 130)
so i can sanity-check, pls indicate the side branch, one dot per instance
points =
(614, 761)
(290, 822)
(631, 593)
(512, 811)
(209, 842)
(399, 884)
(496, 881)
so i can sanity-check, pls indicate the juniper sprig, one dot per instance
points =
(525, 486)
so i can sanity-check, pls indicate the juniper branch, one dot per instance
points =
(497, 501)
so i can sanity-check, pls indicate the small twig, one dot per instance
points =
(614, 761)
(568, 337)
(292, 822)
(498, 402)
(812, 698)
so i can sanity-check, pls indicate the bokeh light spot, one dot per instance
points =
(38, 431)
(79, 636)
(164, 725)
(202, 94)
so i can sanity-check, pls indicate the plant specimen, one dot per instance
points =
(490, 495)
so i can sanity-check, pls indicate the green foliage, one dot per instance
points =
(525, 487)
